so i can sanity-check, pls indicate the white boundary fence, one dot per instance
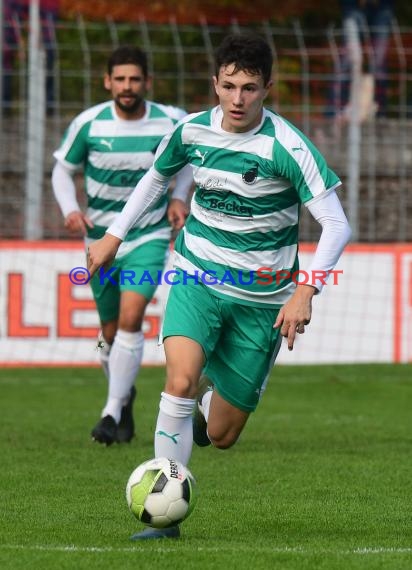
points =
(363, 314)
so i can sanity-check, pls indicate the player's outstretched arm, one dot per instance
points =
(296, 313)
(147, 192)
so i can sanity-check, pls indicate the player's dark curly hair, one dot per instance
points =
(128, 54)
(248, 52)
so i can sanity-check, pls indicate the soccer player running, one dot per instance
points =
(253, 170)
(115, 142)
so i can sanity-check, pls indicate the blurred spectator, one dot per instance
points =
(368, 23)
(16, 16)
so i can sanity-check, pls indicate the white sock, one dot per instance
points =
(205, 403)
(174, 430)
(124, 364)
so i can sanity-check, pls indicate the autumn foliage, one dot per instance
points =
(188, 11)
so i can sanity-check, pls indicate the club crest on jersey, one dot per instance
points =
(250, 172)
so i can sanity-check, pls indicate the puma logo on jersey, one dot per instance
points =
(200, 155)
(300, 147)
(107, 143)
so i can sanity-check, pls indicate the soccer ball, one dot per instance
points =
(161, 492)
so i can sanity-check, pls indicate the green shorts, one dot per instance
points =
(239, 341)
(136, 271)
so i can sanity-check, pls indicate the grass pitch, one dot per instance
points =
(320, 480)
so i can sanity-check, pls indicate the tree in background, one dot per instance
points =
(190, 11)
(311, 12)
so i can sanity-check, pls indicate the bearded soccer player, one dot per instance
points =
(115, 143)
(253, 170)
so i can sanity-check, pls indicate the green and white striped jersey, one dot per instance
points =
(115, 154)
(244, 220)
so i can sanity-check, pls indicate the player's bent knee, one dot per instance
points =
(223, 441)
(223, 444)
(181, 387)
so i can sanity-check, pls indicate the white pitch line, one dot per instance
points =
(275, 550)
(385, 550)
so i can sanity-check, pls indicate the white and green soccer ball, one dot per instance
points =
(161, 492)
